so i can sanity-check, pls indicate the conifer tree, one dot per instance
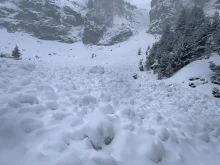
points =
(90, 4)
(181, 22)
(141, 66)
(139, 51)
(16, 52)
(216, 21)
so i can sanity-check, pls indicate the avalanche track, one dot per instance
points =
(102, 116)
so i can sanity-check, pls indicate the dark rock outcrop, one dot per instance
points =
(71, 21)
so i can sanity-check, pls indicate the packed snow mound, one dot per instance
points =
(64, 115)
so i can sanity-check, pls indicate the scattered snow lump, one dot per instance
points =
(107, 109)
(204, 137)
(30, 125)
(156, 152)
(26, 98)
(53, 105)
(14, 104)
(164, 134)
(28, 67)
(86, 100)
(97, 70)
(99, 130)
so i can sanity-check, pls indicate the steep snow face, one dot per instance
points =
(165, 12)
(72, 21)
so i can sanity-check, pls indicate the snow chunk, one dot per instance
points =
(97, 70)
(107, 109)
(52, 105)
(99, 129)
(156, 152)
(30, 125)
(163, 134)
(2, 85)
(28, 67)
(14, 104)
(104, 97)
(38, 109)
(26, 98)
(86, 100)
(217, 132)
(102, 158)
(58, 146)
(58, 116)
(77, 121)
(77, 134)
(129, 112)
(204, 137)
(129, 127)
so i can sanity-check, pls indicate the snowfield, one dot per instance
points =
(66, 108)
(101, 115)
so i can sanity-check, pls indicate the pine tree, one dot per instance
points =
(215, 78)
(191, 39)
(141, 66)
(181, 23)
(195, 20)
(139, 51)
(152, 57)
(216, 92)
(16, 53)
(216, 37)
(90, 4)
(216, 21)
(166, 33)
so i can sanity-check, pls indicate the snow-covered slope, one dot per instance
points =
(77, 53)
(73, 20)
(200, 71)
(60, 106)
(82, 115)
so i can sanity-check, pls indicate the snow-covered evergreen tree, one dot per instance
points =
(141, 65)
(191, 39)
(90, 4)
(216, 21)
(181, 22)
(16, 52)
(216, 92)
(216, 75)
(139, 51)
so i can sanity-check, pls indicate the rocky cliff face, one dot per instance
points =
(167, 11)
(71, 20)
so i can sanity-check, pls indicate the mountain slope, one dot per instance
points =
(72, 21)
(165, 12)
